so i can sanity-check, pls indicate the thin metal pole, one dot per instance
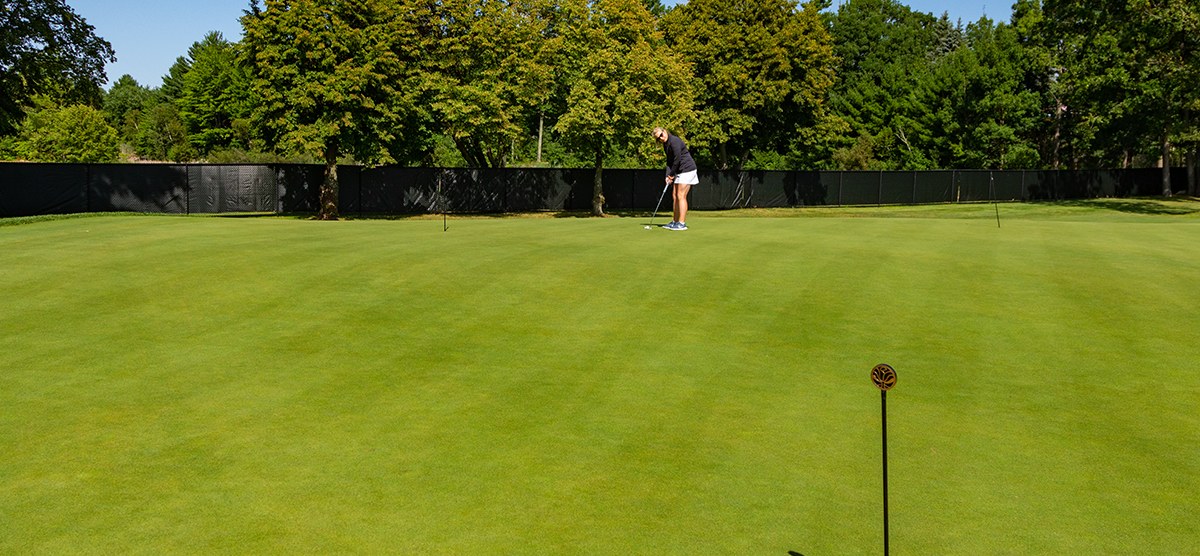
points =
(442, 201)
(992, 186)
(883, 405)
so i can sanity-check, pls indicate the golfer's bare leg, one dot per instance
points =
(681, 204)
(675, 203)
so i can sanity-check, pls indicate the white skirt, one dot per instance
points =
(687, 178)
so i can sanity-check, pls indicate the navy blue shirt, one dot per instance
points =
(679, 160)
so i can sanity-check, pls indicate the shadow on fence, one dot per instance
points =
(28, 189)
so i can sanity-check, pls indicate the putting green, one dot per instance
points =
(585, 386)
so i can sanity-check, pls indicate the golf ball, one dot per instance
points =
(647, 227)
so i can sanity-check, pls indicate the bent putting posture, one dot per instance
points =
(681, 170)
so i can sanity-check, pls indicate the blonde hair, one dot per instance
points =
(656, 130)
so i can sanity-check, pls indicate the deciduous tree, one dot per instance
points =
(763, 69)
(1130, 74)
(330, 78)
(485, 68)
(161, 134)
(46, 47)
(76, 133)
(623, 81)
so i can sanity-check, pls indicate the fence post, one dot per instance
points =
(879, 200)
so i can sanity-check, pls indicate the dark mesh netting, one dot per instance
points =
(934, 187)
(860, 188)
(159, 188)
(217, 188)
(34, 189)
(31, 189)
(897, 188)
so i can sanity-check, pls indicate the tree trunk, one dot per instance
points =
(745, 158)
(598, 186)
(541, 120)
(329, 187)
(724, 157)
(1166, 166)
(470, 152)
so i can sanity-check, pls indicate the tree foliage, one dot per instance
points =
(162, 135)
(975, 108)
(1129, 72)
(45, 47)
(125, 96)
(485, 68)
(330, 78)
(214, 95)
(762, 68)
(764, 84)
(621, 82)
(886, 51)
(77, 133)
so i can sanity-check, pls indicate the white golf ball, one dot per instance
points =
(647, 227)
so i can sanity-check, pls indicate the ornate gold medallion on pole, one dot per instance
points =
(884, 377)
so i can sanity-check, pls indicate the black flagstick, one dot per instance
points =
(884, 378)
(992, 186)
(883, 407)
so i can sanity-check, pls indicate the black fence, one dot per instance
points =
(28, 189)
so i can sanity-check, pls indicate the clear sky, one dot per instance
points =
(148, 35)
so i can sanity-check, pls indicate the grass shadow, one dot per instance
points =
(1153, 206)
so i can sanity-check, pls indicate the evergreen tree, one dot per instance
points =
(886, 50)
(173, 81)
(126, 95)
(214, 94)
(978, 103)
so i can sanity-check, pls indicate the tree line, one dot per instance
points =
(750, 84)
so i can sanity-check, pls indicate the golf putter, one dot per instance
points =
(660, 198)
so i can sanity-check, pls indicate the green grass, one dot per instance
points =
(584, 386)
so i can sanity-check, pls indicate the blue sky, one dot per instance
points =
(148, 35)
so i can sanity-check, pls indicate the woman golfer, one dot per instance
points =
(681, 170)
